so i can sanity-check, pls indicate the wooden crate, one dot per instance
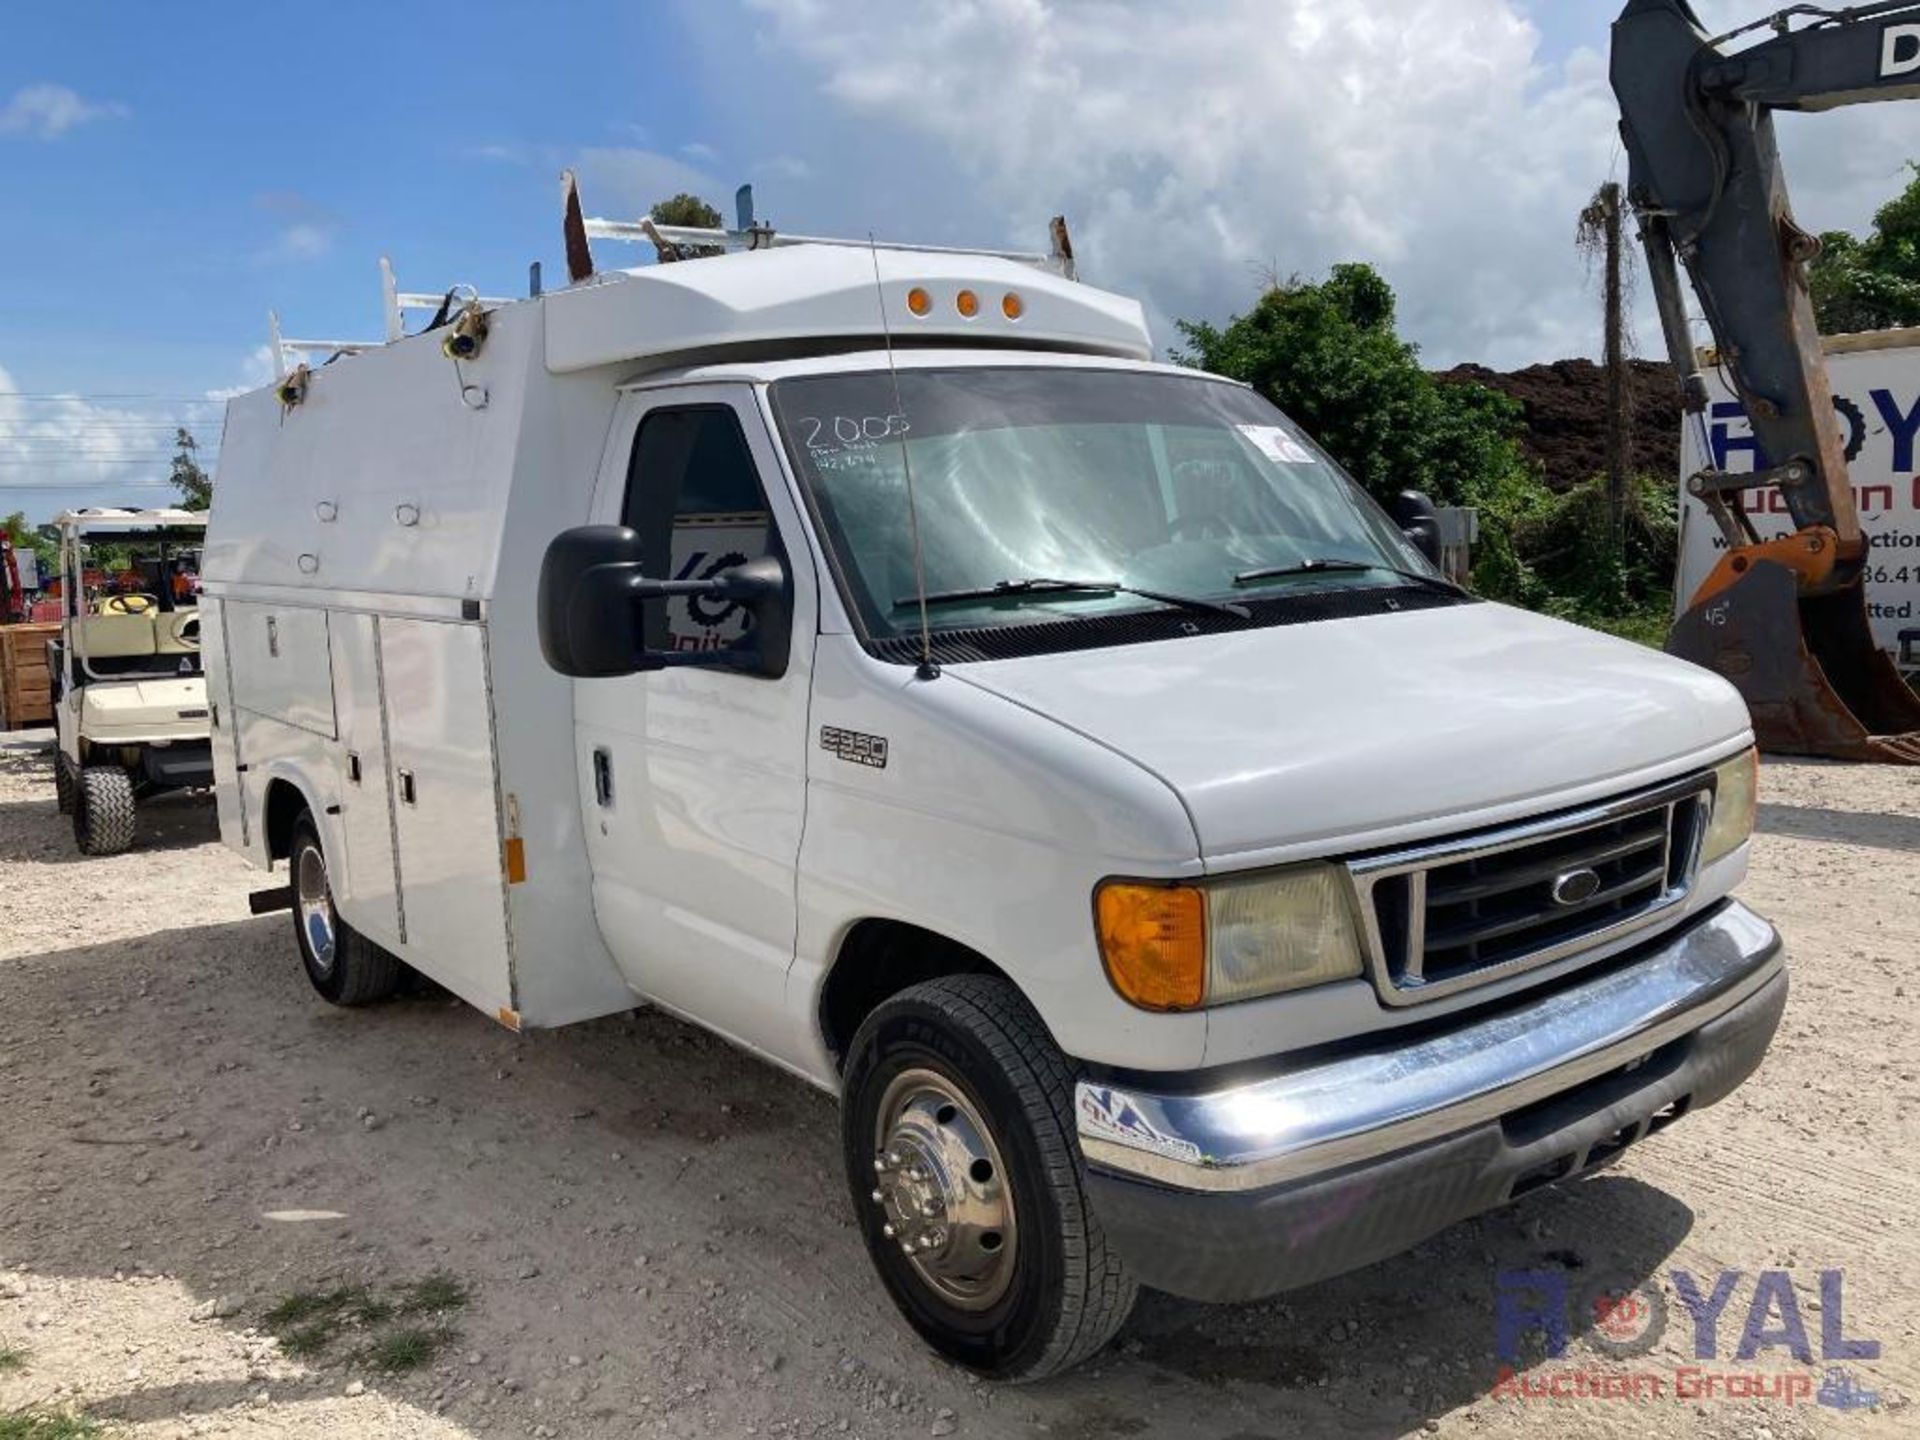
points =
(25, 686)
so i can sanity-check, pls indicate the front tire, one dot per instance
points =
(342, 964)
(957, 1126)
(103, 810)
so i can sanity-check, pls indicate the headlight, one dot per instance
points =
(1736, 785)
(1177, 947)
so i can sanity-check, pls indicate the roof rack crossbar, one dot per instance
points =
(395, 301)
(761, 238)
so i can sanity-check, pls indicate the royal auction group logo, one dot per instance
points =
(1741, 1328)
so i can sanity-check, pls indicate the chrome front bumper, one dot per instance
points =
(1317, 1117)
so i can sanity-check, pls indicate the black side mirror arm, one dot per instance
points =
(762, 585)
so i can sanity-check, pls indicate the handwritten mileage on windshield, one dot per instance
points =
(846, 442)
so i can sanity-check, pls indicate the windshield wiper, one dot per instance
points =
(1329, 566)
(1004, 589)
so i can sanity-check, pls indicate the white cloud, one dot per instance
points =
(49, 111)
(58, 451)
(618, 181)
(306, 229)
(259, 368)
(700, 152)
(782, 167)
(1194, 148)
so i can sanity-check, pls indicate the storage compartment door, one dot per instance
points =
(371, 903)
(279, 664)
(229, 782)
(440, 735)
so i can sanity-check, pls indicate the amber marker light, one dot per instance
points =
(1153, 941)
(919, 301)
(1012, 306)
(967, 303)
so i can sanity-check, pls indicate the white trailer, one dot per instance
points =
(873, 656)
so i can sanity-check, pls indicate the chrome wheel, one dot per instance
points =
(315, 903)
(945, 1192)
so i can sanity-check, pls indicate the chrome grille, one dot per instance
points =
(1491, 904)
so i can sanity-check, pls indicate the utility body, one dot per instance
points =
(873, 656)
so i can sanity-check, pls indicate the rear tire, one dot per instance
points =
(103, 810)
(1011, 1275)
(342, 964)
(63, 783)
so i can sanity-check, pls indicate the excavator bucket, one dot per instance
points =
(1807, 665)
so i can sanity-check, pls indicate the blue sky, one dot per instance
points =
(172, 172)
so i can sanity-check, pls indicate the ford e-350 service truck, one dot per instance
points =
(873, 656)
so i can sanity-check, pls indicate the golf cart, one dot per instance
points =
(129, 696)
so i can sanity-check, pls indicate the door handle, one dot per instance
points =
(406, 786)
(603, 777)
(353, 767)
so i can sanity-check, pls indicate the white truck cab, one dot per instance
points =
(873, 656)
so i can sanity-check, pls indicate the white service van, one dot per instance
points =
(875, 657)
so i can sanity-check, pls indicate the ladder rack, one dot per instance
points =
(670, 242)
(394, 303)
(750, 235)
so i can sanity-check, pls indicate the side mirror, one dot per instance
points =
(592, 593)
(1413, 512)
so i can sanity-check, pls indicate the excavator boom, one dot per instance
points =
(1786, 622)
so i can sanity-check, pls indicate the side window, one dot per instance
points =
(695, 498)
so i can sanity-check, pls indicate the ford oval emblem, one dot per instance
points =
(1575, 887)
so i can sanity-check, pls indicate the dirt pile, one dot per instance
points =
(1566, 415)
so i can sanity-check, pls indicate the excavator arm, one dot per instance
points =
(1784, 620)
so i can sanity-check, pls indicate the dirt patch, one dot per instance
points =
(651, 1231)
(1565, 406)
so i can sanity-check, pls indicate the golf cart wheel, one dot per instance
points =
(103, 810)
(957, 1124)
(344, 966)
(63, 785)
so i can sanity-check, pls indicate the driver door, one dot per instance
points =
(693, 781)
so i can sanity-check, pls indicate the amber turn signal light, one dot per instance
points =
(967, 303)
(1153, 941)
(919, 301)
(1012, 306)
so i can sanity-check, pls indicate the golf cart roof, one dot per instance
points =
(98, 520)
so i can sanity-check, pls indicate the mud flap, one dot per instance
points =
(1807, 666)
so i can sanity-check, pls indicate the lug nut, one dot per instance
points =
(887, 1230)
(931, 1207)
(877, 1197)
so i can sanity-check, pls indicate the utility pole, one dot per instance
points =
(1616, 359)
(1598, 238)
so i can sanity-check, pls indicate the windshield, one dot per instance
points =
(1188, 487)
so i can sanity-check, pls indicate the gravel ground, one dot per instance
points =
(651, 1231)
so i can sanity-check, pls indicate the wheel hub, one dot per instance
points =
(315, 903)
(943, 1190)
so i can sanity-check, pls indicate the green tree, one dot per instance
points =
(1327, 353)
(186, 476)
(1871, 283)
(693, 212)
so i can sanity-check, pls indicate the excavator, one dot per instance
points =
(1786, 619)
